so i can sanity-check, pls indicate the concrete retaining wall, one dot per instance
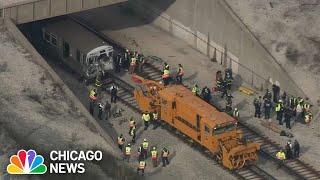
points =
(211, 27)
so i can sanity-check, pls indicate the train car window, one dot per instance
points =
(66, 49)
(207, 129)
(78, 55)
(102, 52)
(221, 129)
(84, 57)
(174, 105)
(54, 40)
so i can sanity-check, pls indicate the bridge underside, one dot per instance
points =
(33, 10)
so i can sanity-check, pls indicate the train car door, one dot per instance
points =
(198, 118)
(173, 110)
(206, 135)
(66, 49)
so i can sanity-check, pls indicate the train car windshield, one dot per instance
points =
(221, 129)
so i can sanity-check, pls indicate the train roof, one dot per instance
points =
(75, 34)
(206, 111)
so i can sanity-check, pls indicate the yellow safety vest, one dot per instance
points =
(142, 164)
(166, 74)
(146, 117)
(278, 107)
(92, 95)
(145, 145)
(120, 141)
(154, 153)
(281, 156)
(195, 90)
(128, 150)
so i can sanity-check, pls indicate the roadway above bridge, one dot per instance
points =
(24, 11)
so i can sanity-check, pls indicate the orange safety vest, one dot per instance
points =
(120, 141)
(181, 72)
(142, 165)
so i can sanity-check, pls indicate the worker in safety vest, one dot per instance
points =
(279, 111)
(154, 156)
(308, 117)
(281, 156)
(93, 98)
(141, 167)
(121, 141)
(180, 74)
(93, 95)
(164, 155)
(146, 120)
(166, 77)
(133, 64)
(235, 113)
(98, 82)
(145, 146)
(165, 67)
(127, 152)
(196, 90)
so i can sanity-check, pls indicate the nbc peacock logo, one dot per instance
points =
(26, 162)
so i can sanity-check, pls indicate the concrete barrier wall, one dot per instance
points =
(41, 9)
(211, 27)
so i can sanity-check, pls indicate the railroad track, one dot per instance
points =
(268, 147)
(295, 167)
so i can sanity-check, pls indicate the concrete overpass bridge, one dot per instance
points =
(24, 11)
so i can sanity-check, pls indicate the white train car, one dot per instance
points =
(81, 50)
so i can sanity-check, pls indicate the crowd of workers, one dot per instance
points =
(287, 107)
(143, 151)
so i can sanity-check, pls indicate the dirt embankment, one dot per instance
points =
(289, 29)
